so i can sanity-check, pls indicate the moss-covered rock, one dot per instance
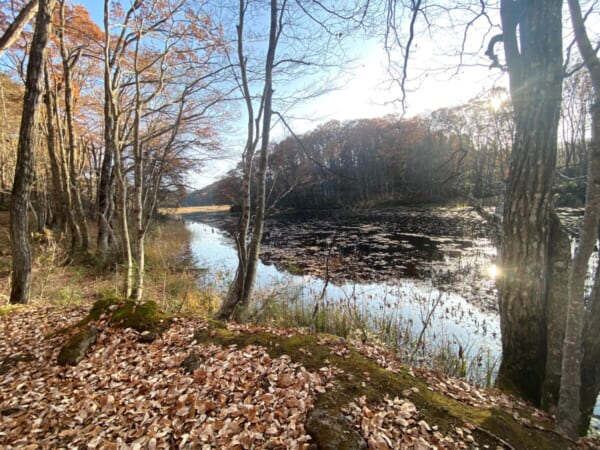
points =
(144, 317)
(77, 347)
(331, 431)
(360, 376)
(141, 316)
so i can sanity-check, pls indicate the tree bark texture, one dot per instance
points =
(138, 188)
(59, 217)
(106, 182)
(590, 366)
(19, 230)
(570, 386)
(533, 48)
(14, 29)
(560, 257)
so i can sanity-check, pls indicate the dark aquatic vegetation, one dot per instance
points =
(449, 246)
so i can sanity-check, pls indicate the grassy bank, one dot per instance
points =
(170, 279)
(194, 209)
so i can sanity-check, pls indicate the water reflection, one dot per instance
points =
(405, 301)
(454, 321)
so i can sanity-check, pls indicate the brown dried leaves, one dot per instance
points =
(395, 423)
(131, 395)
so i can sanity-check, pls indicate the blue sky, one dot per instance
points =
(95, 8)
(366, 90)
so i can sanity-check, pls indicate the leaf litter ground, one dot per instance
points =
(128, 394)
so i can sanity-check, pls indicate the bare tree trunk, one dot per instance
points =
(570, 386)
(560, 258)
(76, 238)
(533, 48)
(590, 364)
(138, 220)
(238, 286)
(106, 181)
(241, 290)
(71, 140)
(138, 187)
(569, 406)
(60, 157)
(19, 227)
(261, 178)
(59, 218)
(122, 218)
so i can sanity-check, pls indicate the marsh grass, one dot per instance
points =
(171, 278)
(284, 306)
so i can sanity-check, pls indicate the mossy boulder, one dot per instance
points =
(331, 431)
(141, 316)
(77, 347)
(144, 317)
(362, 377)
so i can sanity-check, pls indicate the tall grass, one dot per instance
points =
(172, 277)
(285, 306)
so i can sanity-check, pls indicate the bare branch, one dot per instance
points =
(14, 29)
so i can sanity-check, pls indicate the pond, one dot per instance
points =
(428, 271)
(403, 265)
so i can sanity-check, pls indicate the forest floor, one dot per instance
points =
(204, 384)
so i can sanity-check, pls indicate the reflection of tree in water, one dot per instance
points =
(446, 245)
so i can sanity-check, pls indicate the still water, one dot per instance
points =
(408, 301)
(455, 321)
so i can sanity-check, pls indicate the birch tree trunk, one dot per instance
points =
(138, 186)
(569, 406)
(19, 227)
(241, 289)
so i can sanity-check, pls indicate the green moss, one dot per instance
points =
(102, 307)
(145, 316)
(76, 348)
(141, 316)
(5, 309)
(361, 376)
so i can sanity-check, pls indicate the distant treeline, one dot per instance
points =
(450, 154)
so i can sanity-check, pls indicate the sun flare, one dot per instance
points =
(496, 103)
(493, 271)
